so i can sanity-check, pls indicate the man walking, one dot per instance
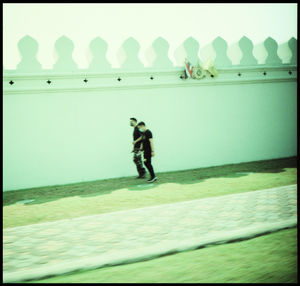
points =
(148, 148)
(137, 157)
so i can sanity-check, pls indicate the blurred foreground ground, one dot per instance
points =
(40, 250)
(124, 220)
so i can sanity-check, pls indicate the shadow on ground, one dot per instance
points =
(102, 187)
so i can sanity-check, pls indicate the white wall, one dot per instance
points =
(60, 138)
(71, 131)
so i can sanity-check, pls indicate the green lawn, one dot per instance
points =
(270, 258)
(97, 197)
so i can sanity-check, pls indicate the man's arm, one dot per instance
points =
(141, 147)
(137, 140)
(152, 146)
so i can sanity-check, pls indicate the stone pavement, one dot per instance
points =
(40, 250)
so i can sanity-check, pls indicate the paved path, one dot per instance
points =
(35, 251)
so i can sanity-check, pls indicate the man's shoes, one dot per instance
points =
(141, 176)
(152, 180)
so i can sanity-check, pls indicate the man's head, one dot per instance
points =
(133, 121)
(142, 126)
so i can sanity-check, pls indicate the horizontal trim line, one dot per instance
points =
(8, 74)
(147, 86)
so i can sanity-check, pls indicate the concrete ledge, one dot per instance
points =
(140, 79)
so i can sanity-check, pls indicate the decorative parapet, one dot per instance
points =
(131, 48)
(65, 75)
(272, 48)
(246, 47)
(292, 43)
(220, 46)
(99, 61)
(161, 49)
(28, 48)
(64, 48)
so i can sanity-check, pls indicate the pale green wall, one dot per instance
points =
(71, 131)
(52, 138)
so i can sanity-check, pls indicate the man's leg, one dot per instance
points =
(149, 165)
(137, 159)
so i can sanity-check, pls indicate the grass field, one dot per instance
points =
(97, 197)
(270, 258)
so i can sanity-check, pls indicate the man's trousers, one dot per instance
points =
(137, 159)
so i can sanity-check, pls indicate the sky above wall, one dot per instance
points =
(145, 22)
